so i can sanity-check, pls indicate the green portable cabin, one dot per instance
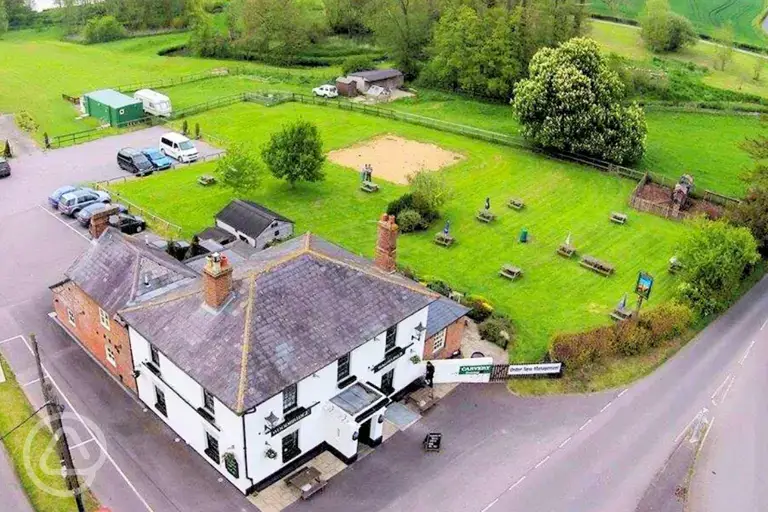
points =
(113, 107)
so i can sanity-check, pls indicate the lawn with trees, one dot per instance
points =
(560, 198)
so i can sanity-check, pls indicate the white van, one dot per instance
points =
(154, 103)
(179, 147)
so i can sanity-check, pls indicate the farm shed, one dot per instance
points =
(346, 86)
(386, 78)
(254, 224)
(113, 107)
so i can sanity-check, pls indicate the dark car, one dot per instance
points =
(84, 215)
(128, 223)
(134, 161)
(5, 168)
(159, 161)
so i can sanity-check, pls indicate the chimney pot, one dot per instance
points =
(217, 280)
(386, 244)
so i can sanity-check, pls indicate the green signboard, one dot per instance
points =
(475, 369)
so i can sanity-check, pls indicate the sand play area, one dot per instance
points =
(394, 158)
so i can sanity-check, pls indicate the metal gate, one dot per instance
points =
(499, 372)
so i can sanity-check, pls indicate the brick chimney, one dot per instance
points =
(100, 221)
(386, 244)
(217, 280)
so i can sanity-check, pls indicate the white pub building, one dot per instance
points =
(262, 364)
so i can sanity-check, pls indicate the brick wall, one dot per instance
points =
(453, 335)
(96, 338)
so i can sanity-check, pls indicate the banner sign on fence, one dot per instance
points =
(473, 369)
(517, 370)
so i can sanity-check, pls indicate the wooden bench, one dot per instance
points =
(516, 204)
(596, 265)
(566, 250)
(618, 217)
(206, 179)
(620, 314)
(308, 481)
(369, 186)
(511, 272)
(485, 216)
(444, 240)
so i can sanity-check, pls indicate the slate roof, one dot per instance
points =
(442, 313)
(296, 308)
(118, 270)
(377, 74)
(249, 217)
(112, 98)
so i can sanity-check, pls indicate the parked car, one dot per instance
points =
(179, 147)
(134, 161)
(5, 168)
(72, 202)
(159, 161)
(127, 223)
(84, 215)
(53, 199)
(326, 91)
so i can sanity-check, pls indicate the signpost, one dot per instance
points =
(432, 442)
(643, 288)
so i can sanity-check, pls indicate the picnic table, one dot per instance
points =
(516, 204)
(206, 179)
(566, 250)
(485, 216)
(369, 186)
(511, 272)
(444, 240)
(620, 314)
(618, 217)
(598, 266)
(307, 480)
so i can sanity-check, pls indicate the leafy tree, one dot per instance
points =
(615, 6)
(20, 13)
(295, 153)
(724, 53)
(205, 40)
(757, 69)
(101, 30)
(429, 189)
(573, 102)
(663, 30)
(348, 16)
(752, 213)
(238, 169)
(356, 63)
(715, 258)
(404, 27)
(3, 18)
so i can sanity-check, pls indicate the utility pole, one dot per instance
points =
(54, 410)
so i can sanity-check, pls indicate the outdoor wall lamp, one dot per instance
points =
(381, 419)
(271, 421)
(355, 435)
(419, 330)
(136, 374)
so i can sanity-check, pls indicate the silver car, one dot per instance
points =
(72, 202)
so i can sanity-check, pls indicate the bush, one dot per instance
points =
(498, 330)
(25, 122)
(295, 153)
(409, 221)
(440, 287)
(633, 338)
(667, 321)
(479, 307)
(103, 29)
(356, 63)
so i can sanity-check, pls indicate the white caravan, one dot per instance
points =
(154, 103)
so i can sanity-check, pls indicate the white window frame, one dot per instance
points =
(104, 320)
(438, 341)
(71, 318)
(109, 352)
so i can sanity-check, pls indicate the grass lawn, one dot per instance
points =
(625, 40)
(15, 409)
(554, 295)
(706, 15)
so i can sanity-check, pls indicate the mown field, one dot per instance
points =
(706, 15)
(555, 294)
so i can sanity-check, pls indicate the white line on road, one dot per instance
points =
(746, 354)
(727, 390)
(606, 407)
(63, 222)
(622, 393)
(764, 324)
(78, 445)
(719, 388)
(516, 483)
(564, 443)
(707, 433)
(490, 505)
(87, 428)
(33, 381)
(10, 339)
(541, 462)
(585, 424)
(682, 433)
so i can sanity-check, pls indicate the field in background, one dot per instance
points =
(706, 15)
(554, 295)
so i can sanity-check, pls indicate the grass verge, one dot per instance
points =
(15, 409)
